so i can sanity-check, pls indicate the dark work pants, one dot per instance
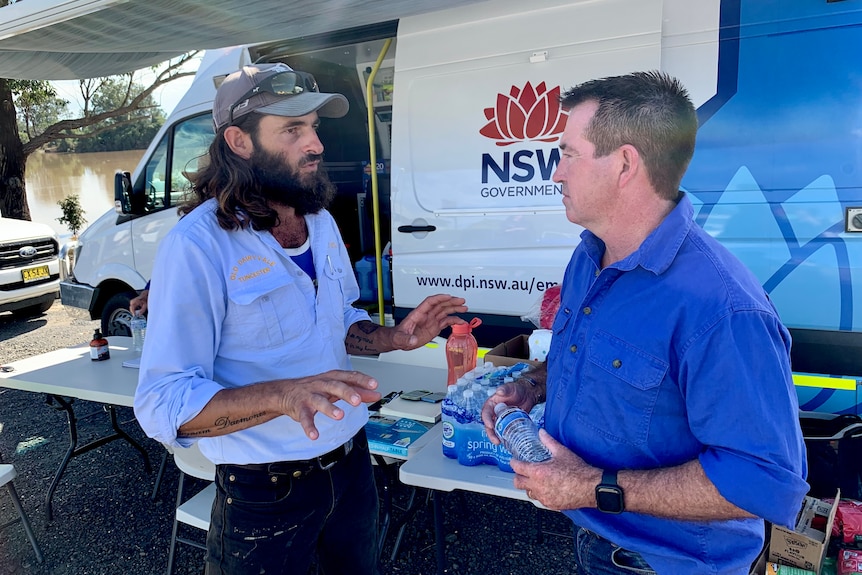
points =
(273, 523)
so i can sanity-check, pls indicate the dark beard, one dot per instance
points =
(306, 194)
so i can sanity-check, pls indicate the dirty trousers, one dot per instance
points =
(274, 518)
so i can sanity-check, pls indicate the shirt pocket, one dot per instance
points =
(561, 323)
(618, 390)
(263, 315)
(331, 293)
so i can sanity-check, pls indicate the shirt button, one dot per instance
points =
(617, 363)
(567, 311)
(574, 349)
(297, 474)
(597, 272)
(588, 310)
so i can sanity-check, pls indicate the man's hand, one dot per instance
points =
(516, 393)
(425, 322)
(239, 408)
(563, 482)
(302, 398)
(139, 303)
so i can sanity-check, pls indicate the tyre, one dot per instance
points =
(33, 310)
(116, 318)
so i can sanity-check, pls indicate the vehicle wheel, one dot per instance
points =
(116, 317)
(33, 310)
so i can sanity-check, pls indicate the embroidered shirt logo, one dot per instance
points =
(245, 269)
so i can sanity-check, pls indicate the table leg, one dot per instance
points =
(73, 442)
(123, 435)
(439, 537)
(73, 450)
(387, 501)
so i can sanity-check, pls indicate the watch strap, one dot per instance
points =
(609, 478)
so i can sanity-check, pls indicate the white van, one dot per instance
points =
(466, 122)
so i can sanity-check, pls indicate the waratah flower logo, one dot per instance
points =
(531, 114)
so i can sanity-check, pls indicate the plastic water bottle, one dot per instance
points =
(519, 434)
(366, 276)
(139, 331)
(461, 350)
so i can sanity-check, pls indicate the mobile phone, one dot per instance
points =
(383, 401)
(415, 395)
(434, 397)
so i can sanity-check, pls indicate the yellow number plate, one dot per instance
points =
(35, 274)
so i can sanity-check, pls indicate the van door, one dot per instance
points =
(475, 127)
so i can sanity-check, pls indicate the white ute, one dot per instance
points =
(29, 267)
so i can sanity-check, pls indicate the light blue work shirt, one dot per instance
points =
(230, 308)
(676, 353)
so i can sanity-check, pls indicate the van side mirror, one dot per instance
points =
(123, 193)
(126, 199)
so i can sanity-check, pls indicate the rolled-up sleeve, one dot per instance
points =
(186, 304)
(742, 407)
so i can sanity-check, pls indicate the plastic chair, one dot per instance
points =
(7, 474)
(196, 511)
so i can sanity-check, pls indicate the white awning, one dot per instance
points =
(73, 39)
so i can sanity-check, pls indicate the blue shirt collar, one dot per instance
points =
(658, 250)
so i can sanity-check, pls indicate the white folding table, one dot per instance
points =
(68, 374)
(432, 470)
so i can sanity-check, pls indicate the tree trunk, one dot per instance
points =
(13, 161)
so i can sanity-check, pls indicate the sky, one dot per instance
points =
(167, 96)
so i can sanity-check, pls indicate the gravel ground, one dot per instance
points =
(106, 523)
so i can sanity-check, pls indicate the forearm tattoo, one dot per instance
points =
(223, 424)
(363, 341)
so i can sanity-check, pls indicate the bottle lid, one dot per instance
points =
(465, 328)
(97, 334)
(500, 408)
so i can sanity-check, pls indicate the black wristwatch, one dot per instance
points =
(609, 495)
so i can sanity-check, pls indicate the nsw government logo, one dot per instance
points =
(528, 114)
(525, 114)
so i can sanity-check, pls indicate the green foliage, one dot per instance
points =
(38, 107)
(132, 131)
(73, 213)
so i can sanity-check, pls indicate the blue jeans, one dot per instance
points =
(273, 522)
(595, 555)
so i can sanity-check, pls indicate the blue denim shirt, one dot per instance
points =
(676, 353)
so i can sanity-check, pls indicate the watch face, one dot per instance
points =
(609, 499)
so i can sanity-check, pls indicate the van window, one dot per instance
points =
(168, 173)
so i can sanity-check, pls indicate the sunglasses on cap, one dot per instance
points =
(288, 83)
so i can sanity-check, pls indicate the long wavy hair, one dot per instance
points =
(230, 180)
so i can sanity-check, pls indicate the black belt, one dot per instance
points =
(322, 462)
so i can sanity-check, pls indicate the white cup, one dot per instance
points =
(539, 344)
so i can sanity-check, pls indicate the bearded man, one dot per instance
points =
(248, 353)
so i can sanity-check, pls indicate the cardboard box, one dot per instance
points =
(516, 350)
(805, 546)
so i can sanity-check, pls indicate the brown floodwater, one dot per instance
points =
(51, 177)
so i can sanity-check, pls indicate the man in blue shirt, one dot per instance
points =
(671, 413)
(248, 354)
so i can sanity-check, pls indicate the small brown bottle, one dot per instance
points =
(99, 347)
